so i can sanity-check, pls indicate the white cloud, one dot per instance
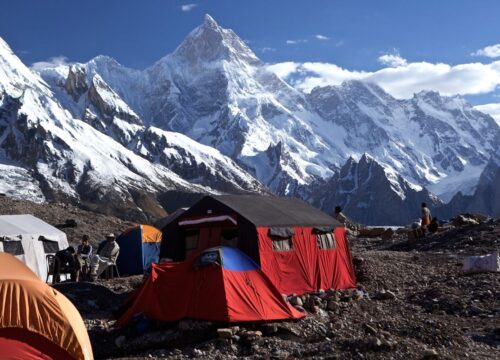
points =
(188, 7)
(393, 60)
(402, 81)
(322, 37)
(492, 109)
(492, 51)
(306, 76)
(294, 42)
(267, 49)
(284, 69)
(50, 63)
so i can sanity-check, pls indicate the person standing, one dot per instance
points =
(425, 216)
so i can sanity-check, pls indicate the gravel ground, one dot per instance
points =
(412, 302)
(409, 304)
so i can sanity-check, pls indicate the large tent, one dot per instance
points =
(139, 247)
(300, 248)
(221, 284)
(30, 240)
(36, 321)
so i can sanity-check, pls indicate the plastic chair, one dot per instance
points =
(110, 271)
(51, 261)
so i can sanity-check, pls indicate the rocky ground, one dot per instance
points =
(93, 224)
(413, 302)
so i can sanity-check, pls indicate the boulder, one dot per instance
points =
(224, 333)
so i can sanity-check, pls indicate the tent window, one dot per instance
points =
(49, 246)
(191, 239)
(326, 241)
(13, 247)
(229, 237)
(282, 244)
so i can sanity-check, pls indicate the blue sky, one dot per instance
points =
(352, 35)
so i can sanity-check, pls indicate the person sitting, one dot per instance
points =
(106, 255)
(339, 215)
(83, 254)
(64, 261)
(433, 226)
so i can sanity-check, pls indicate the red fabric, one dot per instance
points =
(177, 290)
(252, 296)
(335, 265)
(209, 236)
(20, 344)
(306, 268)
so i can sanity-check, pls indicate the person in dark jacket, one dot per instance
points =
(65, 262)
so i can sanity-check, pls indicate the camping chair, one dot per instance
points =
(111, 269)
(51, 262)
(110, 272)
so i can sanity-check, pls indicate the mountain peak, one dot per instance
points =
(209, 21)
(3, 44)
(104, 60)
(210, 42)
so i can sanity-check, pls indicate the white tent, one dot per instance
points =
(30, 240)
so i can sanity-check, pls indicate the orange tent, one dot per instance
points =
(37, 321)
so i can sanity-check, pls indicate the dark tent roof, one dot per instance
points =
(161, 223)
(276, 211)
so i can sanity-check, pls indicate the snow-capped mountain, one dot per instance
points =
(440, 142)
(215, 90)
(371, 193)
(255, 129)
(486, 197)
(82, 143)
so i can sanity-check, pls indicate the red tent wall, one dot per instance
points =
(17, 343)
(335, 265)
(306, 268)
(252, 297)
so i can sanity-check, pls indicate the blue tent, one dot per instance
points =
(139, 247)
